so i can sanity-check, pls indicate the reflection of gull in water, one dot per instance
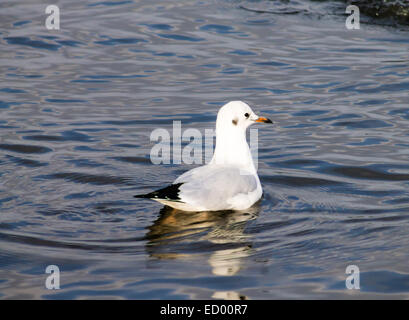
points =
(219, 232)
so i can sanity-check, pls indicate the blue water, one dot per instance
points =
(78, 105)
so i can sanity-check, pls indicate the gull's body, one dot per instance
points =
(230, 180)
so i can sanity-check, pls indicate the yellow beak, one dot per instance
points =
(264, 120)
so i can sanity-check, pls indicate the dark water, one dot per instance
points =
(77, 107)
(384, 11)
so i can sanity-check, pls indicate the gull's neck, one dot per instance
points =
(232, 149)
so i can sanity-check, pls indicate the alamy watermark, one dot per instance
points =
(53, 280)
(352, 281)
(53, 20)
(199, 147)
(352, 21)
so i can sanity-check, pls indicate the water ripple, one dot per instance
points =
(20, 148)
(77, 109)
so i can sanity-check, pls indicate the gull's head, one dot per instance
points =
(237, 115)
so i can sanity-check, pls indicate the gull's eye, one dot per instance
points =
(246, 115)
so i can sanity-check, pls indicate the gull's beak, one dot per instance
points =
(264, 120)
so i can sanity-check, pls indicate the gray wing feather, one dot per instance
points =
(214, 185)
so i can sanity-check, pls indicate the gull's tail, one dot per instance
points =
(170, 193)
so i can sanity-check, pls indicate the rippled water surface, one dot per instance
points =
(78, 105)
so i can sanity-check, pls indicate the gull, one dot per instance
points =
(229, 181)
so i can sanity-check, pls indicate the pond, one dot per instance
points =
(78, 106)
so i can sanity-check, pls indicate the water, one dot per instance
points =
(77, 109)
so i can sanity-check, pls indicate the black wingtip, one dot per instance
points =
(169, 193)
(141, 196)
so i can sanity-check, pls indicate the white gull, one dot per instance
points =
(230, 180)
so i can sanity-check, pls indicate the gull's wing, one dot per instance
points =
(213, 187)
